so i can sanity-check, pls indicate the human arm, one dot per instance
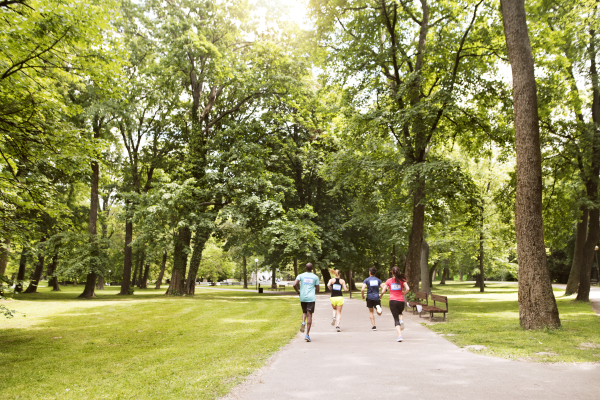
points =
(317, 288)
(406, 288)
(343, 282)
(384, 287)
(362, 290)
(297, 286)
(330, 283)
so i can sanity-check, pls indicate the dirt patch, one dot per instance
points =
(588, 345)
(475, 347)
(546, 353)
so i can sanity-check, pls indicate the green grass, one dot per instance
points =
(142, 346)
(491, 319)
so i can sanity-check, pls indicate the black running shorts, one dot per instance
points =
(308, 306)
(373, 303)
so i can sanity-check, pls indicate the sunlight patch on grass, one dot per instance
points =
(141, 346)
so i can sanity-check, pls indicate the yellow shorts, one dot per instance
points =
(337, 301)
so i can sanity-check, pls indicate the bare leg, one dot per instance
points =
(303, 317)
(398, 330)
(372, 316)
(338, 318)
(334, 311)
(308, 322)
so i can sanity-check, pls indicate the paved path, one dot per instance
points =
(360, 364)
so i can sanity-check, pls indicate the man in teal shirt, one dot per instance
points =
(308, 283)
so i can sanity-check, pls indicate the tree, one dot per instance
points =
(537, 305)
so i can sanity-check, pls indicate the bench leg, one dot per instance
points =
(430, 317)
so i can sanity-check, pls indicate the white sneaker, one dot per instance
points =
(399, 339)
(333, 321)
(378, 309)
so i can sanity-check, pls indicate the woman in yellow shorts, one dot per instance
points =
(337, 299)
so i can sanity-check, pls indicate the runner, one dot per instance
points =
(337, 298)
(372, 284)
(398, 287)
(308, 283)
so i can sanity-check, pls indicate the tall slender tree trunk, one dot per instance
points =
(583, 294)
(200, 238)
(481, 255)
(274, 278)
(425, 282)
(580, 237)
(100, 282)
(245, 272)
(394, 255)
(21, 272)
(53, 280)
(140, 268)
(163, 265)
(128, 252)
(295, 267)
(413, 258)
(4, 252)
(183, 238)
(136, 268)
(144, 284)
(37, 274)
(432, 272)
(460, 276)
(445, 273)
(537, 305)
(326, 278)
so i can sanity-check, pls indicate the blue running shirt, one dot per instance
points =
(308, 281)
(373, 283)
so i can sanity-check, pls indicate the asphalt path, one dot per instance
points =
(359, 363)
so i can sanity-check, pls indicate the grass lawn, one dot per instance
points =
(141, 346)
(491, 319)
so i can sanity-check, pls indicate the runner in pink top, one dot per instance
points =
(398, 287)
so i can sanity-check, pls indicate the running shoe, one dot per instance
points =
(337, 328)
(399, 339)
(333, 321)
(378, 309)
(302, 327)
(307, 338)
(374, 328)
(401, 325)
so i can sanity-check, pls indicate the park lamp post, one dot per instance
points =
(109, 276)
(256, 269)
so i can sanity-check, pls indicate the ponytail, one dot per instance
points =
(398, 276)
(336, 272)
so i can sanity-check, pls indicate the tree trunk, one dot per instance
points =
(100, 283)
(394, 255)
(4, 251)
(481, 255)
(21, 273)
(580, 237)
(53, 280)
(37, 274)
(537, 305)
(126, 282)
(163, 265)
(180, 256)
(326, 278)
(144, 283)
(140, 269)
(295, 267)
(245, 272)
(90, 283)
(273, 278)
(413, 258)
(425, 282)
(200, 239)
(583, 294)
(460, 276)
(444, 273)
(136, 265)
(432, 272)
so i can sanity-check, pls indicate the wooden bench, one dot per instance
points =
(434, 308)
(419, 296)
(281, 287)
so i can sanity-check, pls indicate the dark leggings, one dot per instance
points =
(396, 307)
